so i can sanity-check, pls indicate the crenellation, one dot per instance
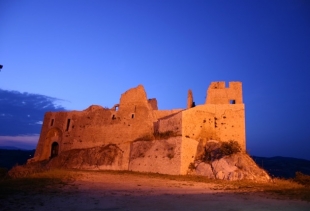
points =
(219, 94)
(136, 117)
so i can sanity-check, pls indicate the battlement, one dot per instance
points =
(218, 93)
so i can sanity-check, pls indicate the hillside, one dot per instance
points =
(283, 167)
(12, 157)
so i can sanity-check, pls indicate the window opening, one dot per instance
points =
(132, 116)
(116, 108)
(232, 101)
(68, 124)
(113, 116)
(52, 122)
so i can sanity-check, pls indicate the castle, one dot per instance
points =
(129, 125)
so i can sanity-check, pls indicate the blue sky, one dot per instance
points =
(71, 54)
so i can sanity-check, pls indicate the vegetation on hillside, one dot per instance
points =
(302, 179)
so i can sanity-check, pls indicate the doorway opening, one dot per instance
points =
(54, 150)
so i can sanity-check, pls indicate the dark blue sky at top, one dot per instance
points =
(89, 52)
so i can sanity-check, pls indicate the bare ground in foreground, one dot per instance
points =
(92, 191)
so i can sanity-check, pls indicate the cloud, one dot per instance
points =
(22, 142)
(21, 114)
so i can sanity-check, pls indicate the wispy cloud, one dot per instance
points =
(23, 142)
(21, 114)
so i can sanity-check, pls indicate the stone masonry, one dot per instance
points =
(131, 125)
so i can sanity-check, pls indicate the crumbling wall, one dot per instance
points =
(190, 99)
(97, 126)
(221, 118)
(172, 122)
(158, 114)
(153, 103)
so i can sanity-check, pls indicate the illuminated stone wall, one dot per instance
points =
(135, 120)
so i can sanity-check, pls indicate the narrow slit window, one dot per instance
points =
(232, 101)
(52, 122)
(132, 116)
(68, 124)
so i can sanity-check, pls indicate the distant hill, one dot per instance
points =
(10, 147)
(283, 167)
(12, 157)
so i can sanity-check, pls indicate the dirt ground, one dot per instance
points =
(97, 191)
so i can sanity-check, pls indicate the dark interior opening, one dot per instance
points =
(54, 150)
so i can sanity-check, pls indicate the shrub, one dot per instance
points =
(302, 178)
(192, 166)
(212, 152)
(217, 150)
(229, 148)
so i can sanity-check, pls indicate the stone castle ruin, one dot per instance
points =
(135, 135)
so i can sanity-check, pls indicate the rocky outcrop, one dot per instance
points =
(234, 167)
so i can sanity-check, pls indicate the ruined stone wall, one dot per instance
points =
(221, 118)
(96, 126)
(153, 103)
(158, 114)
(218, 94)
(190, 99)
(172, 122)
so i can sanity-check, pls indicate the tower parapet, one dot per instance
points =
(218, 93)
